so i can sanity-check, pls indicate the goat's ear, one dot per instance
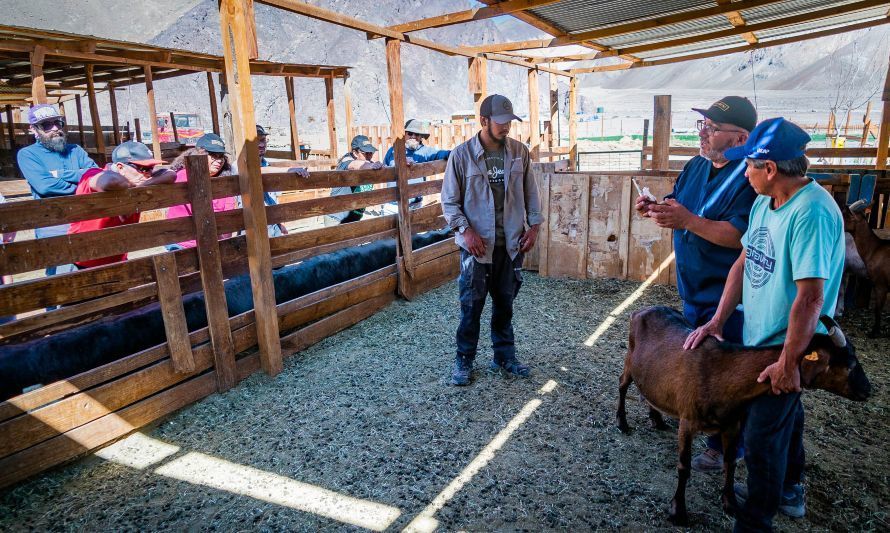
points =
(812, 364)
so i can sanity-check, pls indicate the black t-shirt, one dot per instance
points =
(494, 163)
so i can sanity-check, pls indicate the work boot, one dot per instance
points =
(793, 503)
(709, 460)
(460, 375)
(511, 366)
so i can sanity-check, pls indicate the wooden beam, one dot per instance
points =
(478, 81)
(347, 105)
(173, 312)
(94, 114)
(253, 48)
(115, 124)
(661, 133)
(173, 126)
(479, 13)
(152, 113)
(206, 236)
(737, 20)
(237, 68)
(10, 126)
(405, 257)
(734, 50)
(292, 114)
(621, 29)
(214, 111)
(332, 116)
(534, 118)
(138, 127)
(79, 107)
(573, 124)
(38, 86)
(884, 132)
(553, 129)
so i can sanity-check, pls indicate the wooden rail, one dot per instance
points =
(64, 419)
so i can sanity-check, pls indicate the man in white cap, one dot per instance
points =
(490, 199)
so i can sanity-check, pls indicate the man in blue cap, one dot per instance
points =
(52, 166)
(708, 211)
(359, 157)
(416, 131)
(490, 199)
(787, 276)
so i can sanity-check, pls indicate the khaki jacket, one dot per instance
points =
(467, 199)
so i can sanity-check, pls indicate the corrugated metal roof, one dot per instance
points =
(664, 33)
(692, 48)
(840, 20)
(582, 15)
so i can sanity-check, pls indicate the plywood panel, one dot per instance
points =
(567, 225)
(649, 244)
(604, 228)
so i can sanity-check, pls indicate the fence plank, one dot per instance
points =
(334, 204)
(173, 313)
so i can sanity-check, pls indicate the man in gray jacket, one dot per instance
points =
(490, 199)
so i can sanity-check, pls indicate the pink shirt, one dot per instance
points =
(185, 210)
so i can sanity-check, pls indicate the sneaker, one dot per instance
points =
(793, 503)
(511, 366)
(709, 460)
(460, 375)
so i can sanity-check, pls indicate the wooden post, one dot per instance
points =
(645, 143)
(332, 118)
(884, 132)
(38, 86)
(292, 113)
(115, 124)
(554, 115)
(404, 257)
(573, 123)
(173, 312)
(234, 26)
(138, 127)
(347, 104)
(94, 114)
(206, 236)
(152, 113)
(2, 133)
(79, 107)
(10, 125)
(534, 115)
(227, 103)
(661, 133)
(173, 126)
(847, 122)
(214, 112)
(478, 81)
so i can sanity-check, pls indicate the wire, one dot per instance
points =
(753, 77)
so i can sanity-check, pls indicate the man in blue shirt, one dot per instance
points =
(708, 211)
(787, 276)
(52, 166)
(416, 131)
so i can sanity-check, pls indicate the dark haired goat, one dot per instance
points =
(709, 387)
(874, 252)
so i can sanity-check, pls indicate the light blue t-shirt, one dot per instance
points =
(804, 238)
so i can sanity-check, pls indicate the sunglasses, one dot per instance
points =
(48, 125)
(140, 168)
(217, 156)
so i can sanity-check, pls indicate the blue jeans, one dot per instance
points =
(732, 332)
(775, 457)
(501, 279)
(55, 231)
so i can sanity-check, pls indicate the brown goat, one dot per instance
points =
(708, 388)
(876, 255)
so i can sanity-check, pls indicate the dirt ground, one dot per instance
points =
(364, 420)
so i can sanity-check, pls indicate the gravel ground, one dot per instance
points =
(367, 416)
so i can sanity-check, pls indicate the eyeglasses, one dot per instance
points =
(217, 156)
(702, 125)
(139, 168)
(48, 125)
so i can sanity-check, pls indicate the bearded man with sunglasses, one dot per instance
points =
(708, 211)
(52, 166)
(132, 165)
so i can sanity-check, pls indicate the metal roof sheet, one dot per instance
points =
(582, 15)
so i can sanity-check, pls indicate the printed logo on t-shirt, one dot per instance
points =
(760, 261)
(496, 175)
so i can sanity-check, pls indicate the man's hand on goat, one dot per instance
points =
(781, 379)
(710, 329)
(671, 214)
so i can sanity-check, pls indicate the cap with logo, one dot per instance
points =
(260, 131)
(363, 143)
(775, 139)
(134, 152)
(212, 143)
(419, 127)
(498, 108)
(735, 110)
(42, 112)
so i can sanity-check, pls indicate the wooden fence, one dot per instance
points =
(59, 421)
(819, 157)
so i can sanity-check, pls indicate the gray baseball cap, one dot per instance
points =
(362, 143)
(136, 153)
(419, 127)
(498, 108)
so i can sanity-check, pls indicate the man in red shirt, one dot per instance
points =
(132, 165)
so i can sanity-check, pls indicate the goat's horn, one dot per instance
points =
(858, 205)
(834, 331)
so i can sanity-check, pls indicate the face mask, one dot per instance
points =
(412, 144)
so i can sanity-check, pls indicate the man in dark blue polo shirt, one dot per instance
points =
(708, 211)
